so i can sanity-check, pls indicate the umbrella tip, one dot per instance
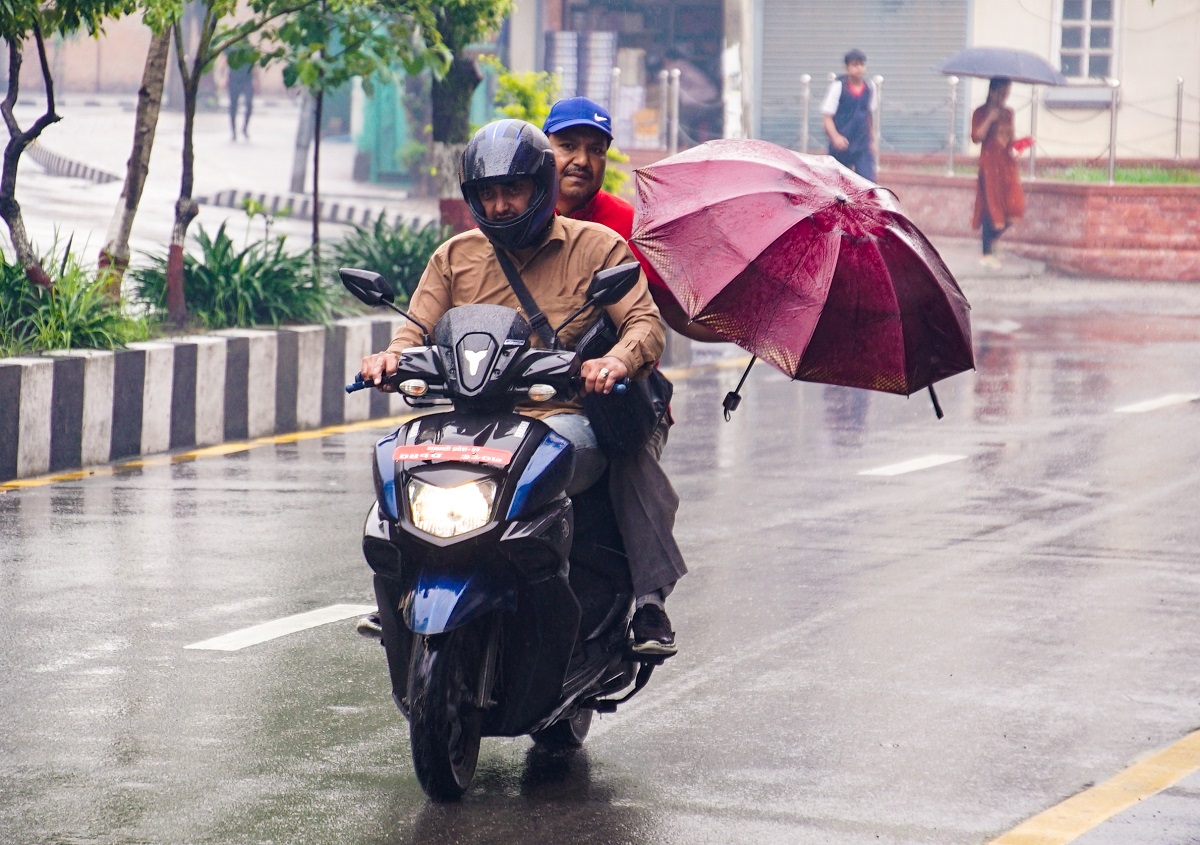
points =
(842, 198)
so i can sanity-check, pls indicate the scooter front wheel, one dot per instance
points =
(444, 723)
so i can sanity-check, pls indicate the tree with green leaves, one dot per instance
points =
(22, 21)
(296, 32)
(461, 24)
(323, 48)
(159, 16)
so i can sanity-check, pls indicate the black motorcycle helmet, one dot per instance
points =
(500, 152)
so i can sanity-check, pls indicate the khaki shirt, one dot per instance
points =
(464, 271)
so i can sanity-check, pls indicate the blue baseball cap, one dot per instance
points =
(578, 111)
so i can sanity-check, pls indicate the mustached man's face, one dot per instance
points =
(581, 155)
(505, 200)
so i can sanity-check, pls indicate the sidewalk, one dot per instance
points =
(97, 131)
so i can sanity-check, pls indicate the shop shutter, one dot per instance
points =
(904, 41)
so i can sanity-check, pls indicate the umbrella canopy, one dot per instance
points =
(990, 62)
(803, 263)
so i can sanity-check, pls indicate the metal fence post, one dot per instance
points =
(877, 122)
(1033, 116)
(951, 137)
(664, 121)
(674, 140)
(1178, 118)
(1112, 132)
(805, 95)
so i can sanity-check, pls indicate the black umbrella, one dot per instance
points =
(990, 62)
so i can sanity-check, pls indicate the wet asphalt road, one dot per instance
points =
(928, 657)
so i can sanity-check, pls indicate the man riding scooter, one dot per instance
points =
(510, 183)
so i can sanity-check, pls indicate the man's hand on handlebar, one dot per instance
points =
(599, 375)
(375, 368)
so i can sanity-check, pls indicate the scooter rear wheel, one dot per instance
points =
(444, 724)
(565, 734)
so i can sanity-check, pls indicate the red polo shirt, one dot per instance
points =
(616, 214)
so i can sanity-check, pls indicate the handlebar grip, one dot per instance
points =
(358, 384)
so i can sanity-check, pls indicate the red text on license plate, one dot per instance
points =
(453, 452)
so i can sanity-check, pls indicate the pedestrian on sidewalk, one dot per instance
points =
(848, 115)
(240, 85)
(999, 199)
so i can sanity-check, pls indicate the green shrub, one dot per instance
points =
(400, 253)
(77, 313)
(226, 287)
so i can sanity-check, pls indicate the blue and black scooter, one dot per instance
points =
(505, 605)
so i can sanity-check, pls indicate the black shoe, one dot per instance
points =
(652, 634)
(369, 626)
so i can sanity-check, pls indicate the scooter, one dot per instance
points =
(505, 604)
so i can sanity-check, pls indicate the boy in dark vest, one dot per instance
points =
(848, 116)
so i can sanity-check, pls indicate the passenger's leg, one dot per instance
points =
(645, 503)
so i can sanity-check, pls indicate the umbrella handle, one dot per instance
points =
(937, 408)
(734, 398)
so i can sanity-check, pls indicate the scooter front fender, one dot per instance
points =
(441, 601)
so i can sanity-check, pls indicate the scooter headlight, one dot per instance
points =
(450, 511)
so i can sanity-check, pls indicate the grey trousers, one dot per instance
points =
(645, 505)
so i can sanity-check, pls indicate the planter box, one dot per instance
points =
(1145, 232)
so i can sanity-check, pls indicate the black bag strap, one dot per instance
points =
(537, 320)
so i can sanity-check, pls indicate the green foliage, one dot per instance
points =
(524, 95)
(400, 253)
(1149, 175)
(325, 45)
(18, 18)
(261, 284)
(77, 313)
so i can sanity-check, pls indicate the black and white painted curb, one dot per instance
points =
(59, 165)
(333, 210)
(70, 410)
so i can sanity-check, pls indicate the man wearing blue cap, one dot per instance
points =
(580, 133)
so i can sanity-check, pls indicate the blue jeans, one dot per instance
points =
(590, 462)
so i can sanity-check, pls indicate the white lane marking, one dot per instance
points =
(282, 627)
(997, 326)
(915, 464)
(1161, 402)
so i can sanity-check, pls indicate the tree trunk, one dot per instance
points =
(304, 133)
(316, 209)
(10, 209)
(451, 102)
(114, 255)
(185, 207)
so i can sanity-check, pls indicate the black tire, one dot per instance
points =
(444, 724)
(565, 734)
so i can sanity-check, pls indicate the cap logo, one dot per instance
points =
(601, 118)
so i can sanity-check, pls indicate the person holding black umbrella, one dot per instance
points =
(999, 199)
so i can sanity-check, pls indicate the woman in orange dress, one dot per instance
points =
(999, 200)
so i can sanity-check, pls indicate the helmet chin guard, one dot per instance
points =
(502, 151)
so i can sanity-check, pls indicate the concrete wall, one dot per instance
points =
(1147, 232)
(69, 410)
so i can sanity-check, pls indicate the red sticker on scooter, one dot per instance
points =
(453, 452)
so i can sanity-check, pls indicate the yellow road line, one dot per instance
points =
(292, 437)
(1080, 813)
(205, 452)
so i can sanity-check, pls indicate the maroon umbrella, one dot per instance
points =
(803, 263)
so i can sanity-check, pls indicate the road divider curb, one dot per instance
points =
(69, 410)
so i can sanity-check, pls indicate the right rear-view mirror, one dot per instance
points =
(611, 285)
